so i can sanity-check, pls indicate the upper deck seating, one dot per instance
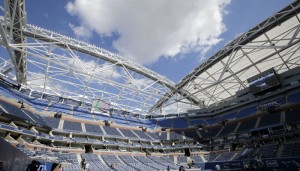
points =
(52, 122)
(191, 134)
(81, 112)
(120, 119)
(15, 111)
(294, 98)
(142, 134)
(149, 123)
(228, 128)
(176, 135)
(180, 123)
(111, 131)
(163, 136)
(74, 126)
(229, 116)
(93, 128)
(197, 122)
(270, 119)
(164, 123)
(60, 107)
(128, 133)
(247, 125)
(268, 151)
(247, 111)
(210, 132)
(292, 116)
(213, 120)
(152, 135)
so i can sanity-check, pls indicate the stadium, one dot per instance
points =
(237, 110)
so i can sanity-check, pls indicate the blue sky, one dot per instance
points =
(174, 57)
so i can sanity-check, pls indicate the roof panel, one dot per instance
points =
(283, 27)
(270, 63)
(257, 50)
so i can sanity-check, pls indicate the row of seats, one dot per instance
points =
(180, 122)
(131, 161)
(125, 162)
(55, 156)
(291, 149)
(95, 164)
(72, 167)
(19, 113)
(244, 125)
(77, 111)
(267, 151)
(111, 143)
(96, 129)
(243, 112)
(176, 135)
(206, 132)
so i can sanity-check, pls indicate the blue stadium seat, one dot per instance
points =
(59, 107)
(163, 136)
(210, 131)
(134, 121)
(294, 98)
(180, 123)
(229, 128)
(247, 111)
(197, 122)
(191, 134)
(270, 119)
(74, 126)
(213, 120)
(101, 117)
(52, 122)
(165, 123)
(93, 128)
(111, 131)
(153, 136)
(176, 135)
(16, 111)
(95, 164)
(229, 116)
(292, 116)
(128, 133)
(120, 119)
(247, 125)
(142, 134)
(38, 104)
(149, 123)
(80, 112)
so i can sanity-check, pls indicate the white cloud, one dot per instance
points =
(141, 83)
(105, 70)
(151, 29)
(36, 81)
(81, 31)
(176, 107)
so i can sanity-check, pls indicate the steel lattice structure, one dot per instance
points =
(52, 63)
(274, 43)
(56, 64)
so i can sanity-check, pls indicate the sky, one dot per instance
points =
(170, 37)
